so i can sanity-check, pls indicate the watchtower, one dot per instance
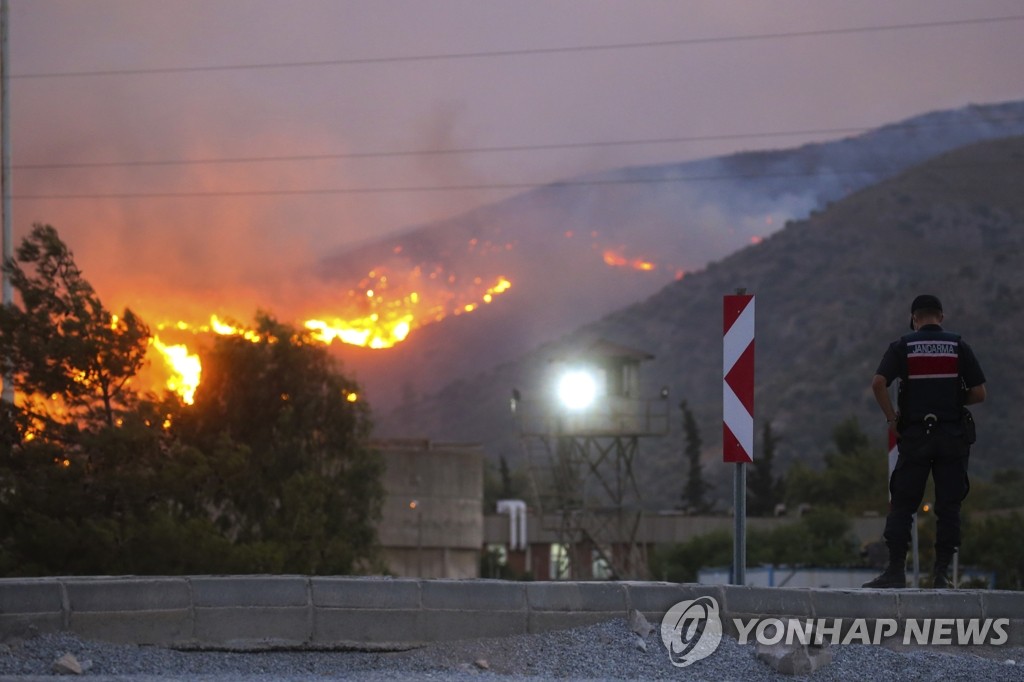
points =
(581, 437)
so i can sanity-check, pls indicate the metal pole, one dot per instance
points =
(739, 547)
(917, 557)
(7, 394)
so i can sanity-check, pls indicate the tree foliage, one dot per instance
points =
(765, 489)
(820, 538)
(1004, 490)
(855, 477)
(504, 484)
(62, 342)
(124, 506)
(269, 471)
(682, 562)
(990, 542)
(695, 494)
(295, 466)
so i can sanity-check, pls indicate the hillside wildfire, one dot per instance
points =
(410, 314)
(831, 291)
(581, 249)
(382, 313)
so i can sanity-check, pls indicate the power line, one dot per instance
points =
(357, 61)
(718, 137)
(435, 152)
(520, 186)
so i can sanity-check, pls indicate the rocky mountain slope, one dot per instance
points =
(832, 290)
(577, 250)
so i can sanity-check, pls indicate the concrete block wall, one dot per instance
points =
(431, 522)
(265, 612)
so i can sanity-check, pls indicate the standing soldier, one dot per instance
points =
(939, 376)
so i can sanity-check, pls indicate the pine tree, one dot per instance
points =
(506, 478)
(764, 488)
(694, 495)
(62, 341)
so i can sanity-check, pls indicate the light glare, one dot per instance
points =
(577, 389)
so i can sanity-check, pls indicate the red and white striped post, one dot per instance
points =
(738, 379)
(738, 412)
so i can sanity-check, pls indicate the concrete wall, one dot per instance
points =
(432, 525)
(263, 612)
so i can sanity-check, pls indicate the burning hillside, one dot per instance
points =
(411, 284)
(381, 311)
(615, 259)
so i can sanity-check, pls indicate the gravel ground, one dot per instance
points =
(607, 651)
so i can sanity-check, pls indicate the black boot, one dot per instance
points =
(940, 575)
(895, 574)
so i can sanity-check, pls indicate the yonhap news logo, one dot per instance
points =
(691, 630)
(915, 631)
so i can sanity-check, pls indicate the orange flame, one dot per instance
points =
(617, 260)
(225, 329)
(383, 320)
(217, 326)
(370, 332)
(184, 367)
(390, 318)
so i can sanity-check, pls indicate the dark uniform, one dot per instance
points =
(935, 368)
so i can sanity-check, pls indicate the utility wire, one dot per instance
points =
(566, 184)
(784, 35)
(478, 150)
(434, 152)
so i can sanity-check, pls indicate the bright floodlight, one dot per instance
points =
(577, 389)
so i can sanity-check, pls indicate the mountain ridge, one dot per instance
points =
(555, 243)
(832, 291)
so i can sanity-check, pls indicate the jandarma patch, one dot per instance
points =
(932, 360)
(932, 347)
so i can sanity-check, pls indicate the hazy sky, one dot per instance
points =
(347, 89)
